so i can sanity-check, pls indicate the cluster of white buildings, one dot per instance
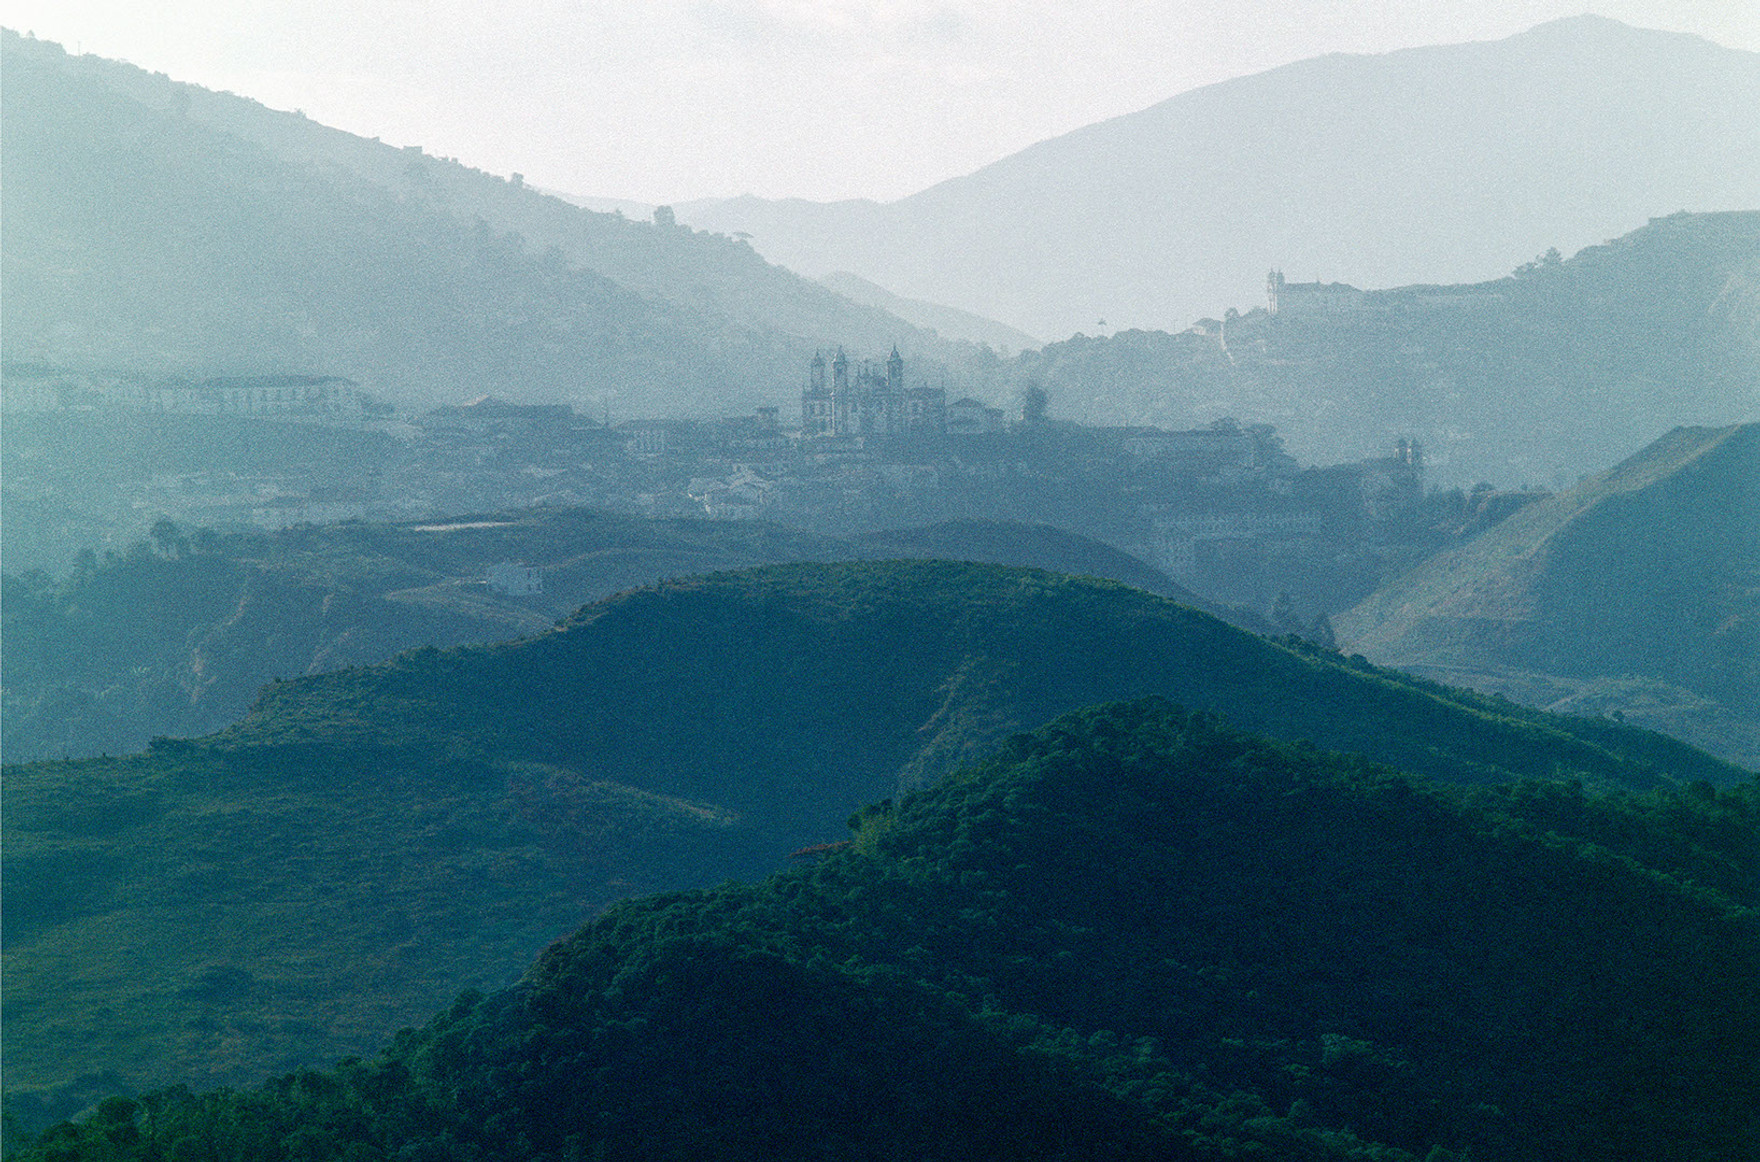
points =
(312, 398)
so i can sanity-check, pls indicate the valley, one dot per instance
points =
(488, 673)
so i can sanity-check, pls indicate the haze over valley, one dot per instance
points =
(1435, 165)
(1230, 629)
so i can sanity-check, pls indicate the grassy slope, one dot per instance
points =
(381, 836)
(1645, 571)
(1132, 934)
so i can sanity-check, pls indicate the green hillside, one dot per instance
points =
(1647, 574)
(973, 651)
(176, 637)
(1133, 934)
(369, 841)
(160, 228)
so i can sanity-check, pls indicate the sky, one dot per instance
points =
(674, 100)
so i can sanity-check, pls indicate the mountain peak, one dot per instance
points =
(1590, 24)
(1449, 163)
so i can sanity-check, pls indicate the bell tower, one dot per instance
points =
(840, 373)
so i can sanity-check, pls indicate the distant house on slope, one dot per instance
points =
(514, 580)
(970, 417)
(487, 415)
(1312, 298)
(285, 512)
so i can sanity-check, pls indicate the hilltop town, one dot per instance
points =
(1222, 508)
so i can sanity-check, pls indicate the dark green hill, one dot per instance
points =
(1134, 934)
(157, 227)
(1646, 575)
(369, 841)
(177, 639)
(925, 662)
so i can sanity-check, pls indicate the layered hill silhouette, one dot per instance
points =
(158, 227)
(1560, 369)
(370, 841)
(1133, 934)
(949, 322)
(1431, 165)
(1636, 587)
(175, 638)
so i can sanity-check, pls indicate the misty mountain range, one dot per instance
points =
(159, 227)
(1125, 877)
(1429, 165)
(1563, 367)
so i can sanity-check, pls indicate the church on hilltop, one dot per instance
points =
(874, 403)
(1312, 298)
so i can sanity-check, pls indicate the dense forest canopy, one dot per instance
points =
(461, 808)
(1135, 934)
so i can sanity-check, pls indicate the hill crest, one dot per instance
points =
(1321, 167)
(307, 224)
(464, 807)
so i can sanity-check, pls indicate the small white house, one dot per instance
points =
(514, 580)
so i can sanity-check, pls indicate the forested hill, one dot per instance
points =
(383, 836)
(159, 227)
(1135, 934)
(922, 664)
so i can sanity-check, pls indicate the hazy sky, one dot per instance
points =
(670, 100)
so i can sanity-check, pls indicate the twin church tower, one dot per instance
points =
(874, 404)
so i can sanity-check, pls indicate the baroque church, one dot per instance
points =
(874, 404)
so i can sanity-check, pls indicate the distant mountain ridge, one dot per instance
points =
(947, 321)
(154, 226)
(1559, 369)
(1435, 165)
